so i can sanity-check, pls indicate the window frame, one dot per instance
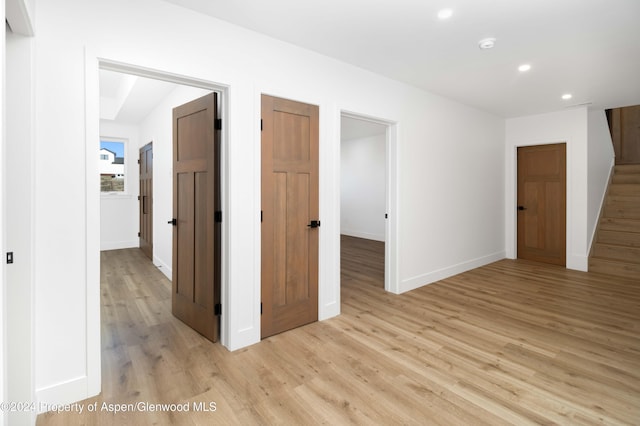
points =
(125, 148)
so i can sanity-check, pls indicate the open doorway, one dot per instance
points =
(364, 201)
(139, 104)
(134, 111)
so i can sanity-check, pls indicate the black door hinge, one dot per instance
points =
(260, 215)
(138, 234)
(260, 308)
(217, 309)
(217, 216)
(138, 198)
(9, 257)
(218, 124)
(138, 161)
(386, 216)
(261, 124)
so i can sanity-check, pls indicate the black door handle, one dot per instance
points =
(173, 222)
(314, 224)
(521, 208)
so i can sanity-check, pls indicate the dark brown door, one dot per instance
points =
(289, 205)
(146, 199)
(542, 203)
(196, 256)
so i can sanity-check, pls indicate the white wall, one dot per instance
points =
(601, 159)
(157, 127)
(450, 208)
(119, 221)
(16, 281)
(568, 126)
(3, 339)
(19, 220)
(363, 187)
(589, 161)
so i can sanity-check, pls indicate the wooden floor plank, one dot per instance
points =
(513, 342)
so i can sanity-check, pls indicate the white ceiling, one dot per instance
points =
(130, 99)
(590, 48)
(354, 128)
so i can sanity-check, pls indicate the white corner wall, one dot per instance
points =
(157, 127)
(451, 169)
(601, 159)
(19, 237)
(568, 126)
(3, 304)
(119, 221)
(449, 157)
(363, 187)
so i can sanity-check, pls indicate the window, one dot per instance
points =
(112, 165)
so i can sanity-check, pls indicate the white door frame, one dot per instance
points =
(92, 98)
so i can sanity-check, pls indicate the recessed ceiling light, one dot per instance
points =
(487, 43)
(445, 14)
(567, 96)
(524, 67)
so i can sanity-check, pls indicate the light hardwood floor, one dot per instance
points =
(509, 343)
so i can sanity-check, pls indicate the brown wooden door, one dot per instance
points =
(625, 134)
(542, 203)
(289, 204)
(146, 199)
(196, 257)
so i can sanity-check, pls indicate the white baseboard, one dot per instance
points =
(365, 235)
(164, 268)
(243, 338)
(578, 263)
(117, 245)
(61, 394)
(329, 310)
(431, 277)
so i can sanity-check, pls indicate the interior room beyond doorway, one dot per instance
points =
(138, 107)
(363, 200)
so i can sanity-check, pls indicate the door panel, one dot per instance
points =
(542, 203)
(289, 202)
(196, 263)
(625, 134)
(146, 199)
(292, 139)
(203, 291)
(185, 236)
(555, 217)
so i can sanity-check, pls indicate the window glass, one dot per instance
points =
(112, 165)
